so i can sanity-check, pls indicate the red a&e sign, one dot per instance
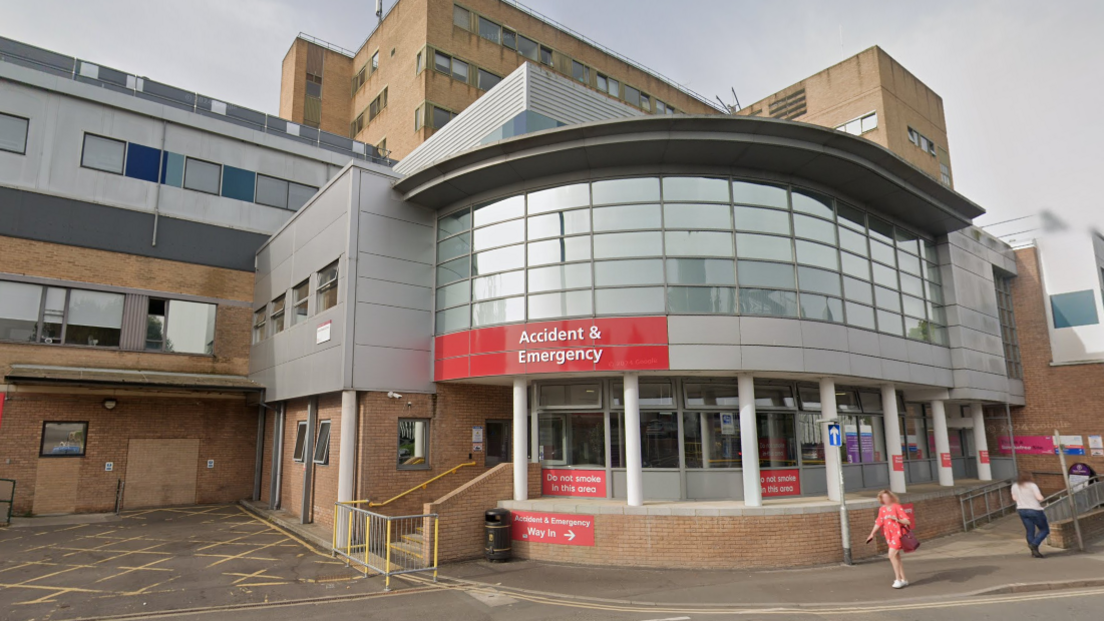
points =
(780, 482)
(565, 529)
(584, 483)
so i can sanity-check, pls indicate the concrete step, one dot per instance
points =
(409, 549)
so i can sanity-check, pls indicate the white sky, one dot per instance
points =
(1021, 81)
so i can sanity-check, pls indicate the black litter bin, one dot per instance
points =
(496, 525)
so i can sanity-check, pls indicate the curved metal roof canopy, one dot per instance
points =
(854, 166)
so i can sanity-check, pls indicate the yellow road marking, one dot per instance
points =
(145, 567)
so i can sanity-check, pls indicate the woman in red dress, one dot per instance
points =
(892, 519)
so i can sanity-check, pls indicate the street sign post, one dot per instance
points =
(835, 439)
(1069, 490)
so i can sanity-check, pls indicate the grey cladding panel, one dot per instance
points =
(388, 326)
(704, 330)
(376, 196)
(383, 368)
(396, 238)
(394, 270)
(394, 294)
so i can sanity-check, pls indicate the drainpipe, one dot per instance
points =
(308, 461)
(277, 458)
(258, 475)
(157, 190)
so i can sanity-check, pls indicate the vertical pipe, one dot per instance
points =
(308, 461)
(942, 444)
(258, 469)
(981, 444)
(749, 442)
(521, 412)
(277, 458)
(892, 421)
(346, 458)
(634, 474)
(832, 459)
(1011, 438)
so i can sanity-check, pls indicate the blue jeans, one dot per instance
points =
(1033, 519)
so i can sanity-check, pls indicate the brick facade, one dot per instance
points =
(1063, 535)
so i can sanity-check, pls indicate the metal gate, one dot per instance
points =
(385, 545)
(7, 498)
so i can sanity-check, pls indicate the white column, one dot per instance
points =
(346, 457)
(981, 445)
(634, 474)
(521, 413)
(749, 442)
(942, 444)
(705, 424)
(892, 419)
(832, 461)
(420, 440)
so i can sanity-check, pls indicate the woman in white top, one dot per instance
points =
(1028, 504)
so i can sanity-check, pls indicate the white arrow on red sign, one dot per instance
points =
(570, 535)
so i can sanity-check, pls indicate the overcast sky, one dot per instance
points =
(1021, 81)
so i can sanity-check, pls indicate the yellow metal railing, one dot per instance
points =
(417, 487)
(385, 545)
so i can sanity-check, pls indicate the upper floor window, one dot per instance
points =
(285, 194)
(374, 64)
(202, 176)
(55, 315)
(861, 125)
(487, 80)
(608, 85)
(104, 154)
(259, 320)
(461, 17)
(13, 133)
(490, 30)
(377, 105)
(180, 327)
(327, 287)
(300, 295)
(1009, 336)
(580, 72)
(278, 315)
(921, 141)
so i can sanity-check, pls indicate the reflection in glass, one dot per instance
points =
(627, 217)
(634, 272)
(498, 285)
(565, 304)
(659, 440)
(749, 193)
(561, 197)
(821, 308)
(812, 203)
(652, 394)
(855, 242)
(626, 190)
(908, 263)
(571, 395)
(560, 250)
(500, 260)
(764, 302)
(855, 266)
(883, 253)
(559, 277)
(762, 220)
(695, 189)
(860, 316)
(453, 247)
(912, 306)
(881, 230)
(817, 254)
(857, 290)
(907, 241)
(499, 210)
(453, 320)
(768, 247)
(757, 274)
(613, 245)
(698, 243)
(885, 276)
(711, 395)
(561, 223)
(890, 323)
(887, 299)
(702, 300)
(815, 228)
(692, 216)
(451, 295)
(498, 311)
(95, 318)
(454, 223)
(701, 272)
(819, 281)
(871, 401)
(453, 271)
(632, 301)
(511, 232)
(777, 444)
(708, 443)
(850, 217)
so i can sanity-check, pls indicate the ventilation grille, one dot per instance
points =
(789, 107)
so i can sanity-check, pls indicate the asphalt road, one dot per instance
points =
(458, 605)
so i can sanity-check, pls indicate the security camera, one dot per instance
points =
(393, 395)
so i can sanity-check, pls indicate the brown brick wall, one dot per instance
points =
(225, 428)
(737, 542)
(233, 324)
(1063, 535)
(1067, 398)
(460, 512)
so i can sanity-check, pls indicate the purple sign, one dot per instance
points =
(1080, 469)
(860, 443)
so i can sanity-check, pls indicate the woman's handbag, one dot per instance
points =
(909, 542)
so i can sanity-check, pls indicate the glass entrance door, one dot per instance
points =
(499, 445)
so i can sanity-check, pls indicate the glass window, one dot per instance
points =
(750, 193)
(528, 47)
(613, 245)
(918, 329)
(461, 17)
(572, 439)
(19, 306)
(498, 285)
(322, 444)
(489, 30)
(890, 323)
(63, 439)
(413, 444)
(454, 294)
(580, 72)
(562, 250)
(702, 300)
(690, 216)
(627, 217)
(852, 241)
(509, 39)
(887, 299)
(453, 270)
(453, 247)
(764, 302)
(695, 189)
(498, 311)
(777, 444)
(565, 304)
(633, 190)
(863, 440)
(300, 441)
(191, 328)
(814, 228)
(1074, 309)
(453, 223)
(299, 194)
(499, 210)
(202, 176)
(645, 102)
(272, 191)
(614, 87)
(857, 290)
(855, 266)
(441, 117)
(570, 395)
(850, 217)
(819, 281)
(632, 95)
(633, 301)
(327, 287)
(757, 274)
(860, 316)
(563, 197)
(881, 230)
(105, 154)
(659, 443)
(459, 70)
(812, 203)
(935, 293)
(53, 315)
(652, 394)
(561, 223)
(871, 402)
(500, 260)
(636, 272)
(909, 242)
(155, 324)
(912, 285)
(711, 439)
(817, 254)
(299, 296)
(487, 80)
(94, 318)
(512, 232)
(442, 62)
(711, 395)
(908, 263)
(13, 133)
(885, 276)
(768, 247)
(698, 243)
(546, 55)
(821, 307)
(556, 277)
(278, 315)
(762, 220)
(701, 272)
(453, 320)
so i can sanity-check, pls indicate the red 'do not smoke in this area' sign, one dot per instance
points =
(780, 482)
(565, 529)
(585, 483)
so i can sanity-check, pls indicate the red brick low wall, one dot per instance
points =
(734, 542)
(1062, 534)
(461, 511)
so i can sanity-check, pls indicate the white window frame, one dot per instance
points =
(295, 303)
(281, 313)
(260, 324)
(323, 287)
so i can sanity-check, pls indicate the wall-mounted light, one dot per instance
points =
(109, 404)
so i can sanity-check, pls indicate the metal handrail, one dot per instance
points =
(386, 545)
(1088, 496)
(986, 491)
(422, 485)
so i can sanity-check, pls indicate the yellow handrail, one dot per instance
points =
(411, 490)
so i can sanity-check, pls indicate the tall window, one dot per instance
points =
(413, 444)
(259, 319)
(1009, 337)
(298, 452)
(375, 62)
(327, 287)
(278, 315)
(300, 295)
(322, 444)
(13, 133)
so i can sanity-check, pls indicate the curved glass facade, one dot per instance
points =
(684, 245)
